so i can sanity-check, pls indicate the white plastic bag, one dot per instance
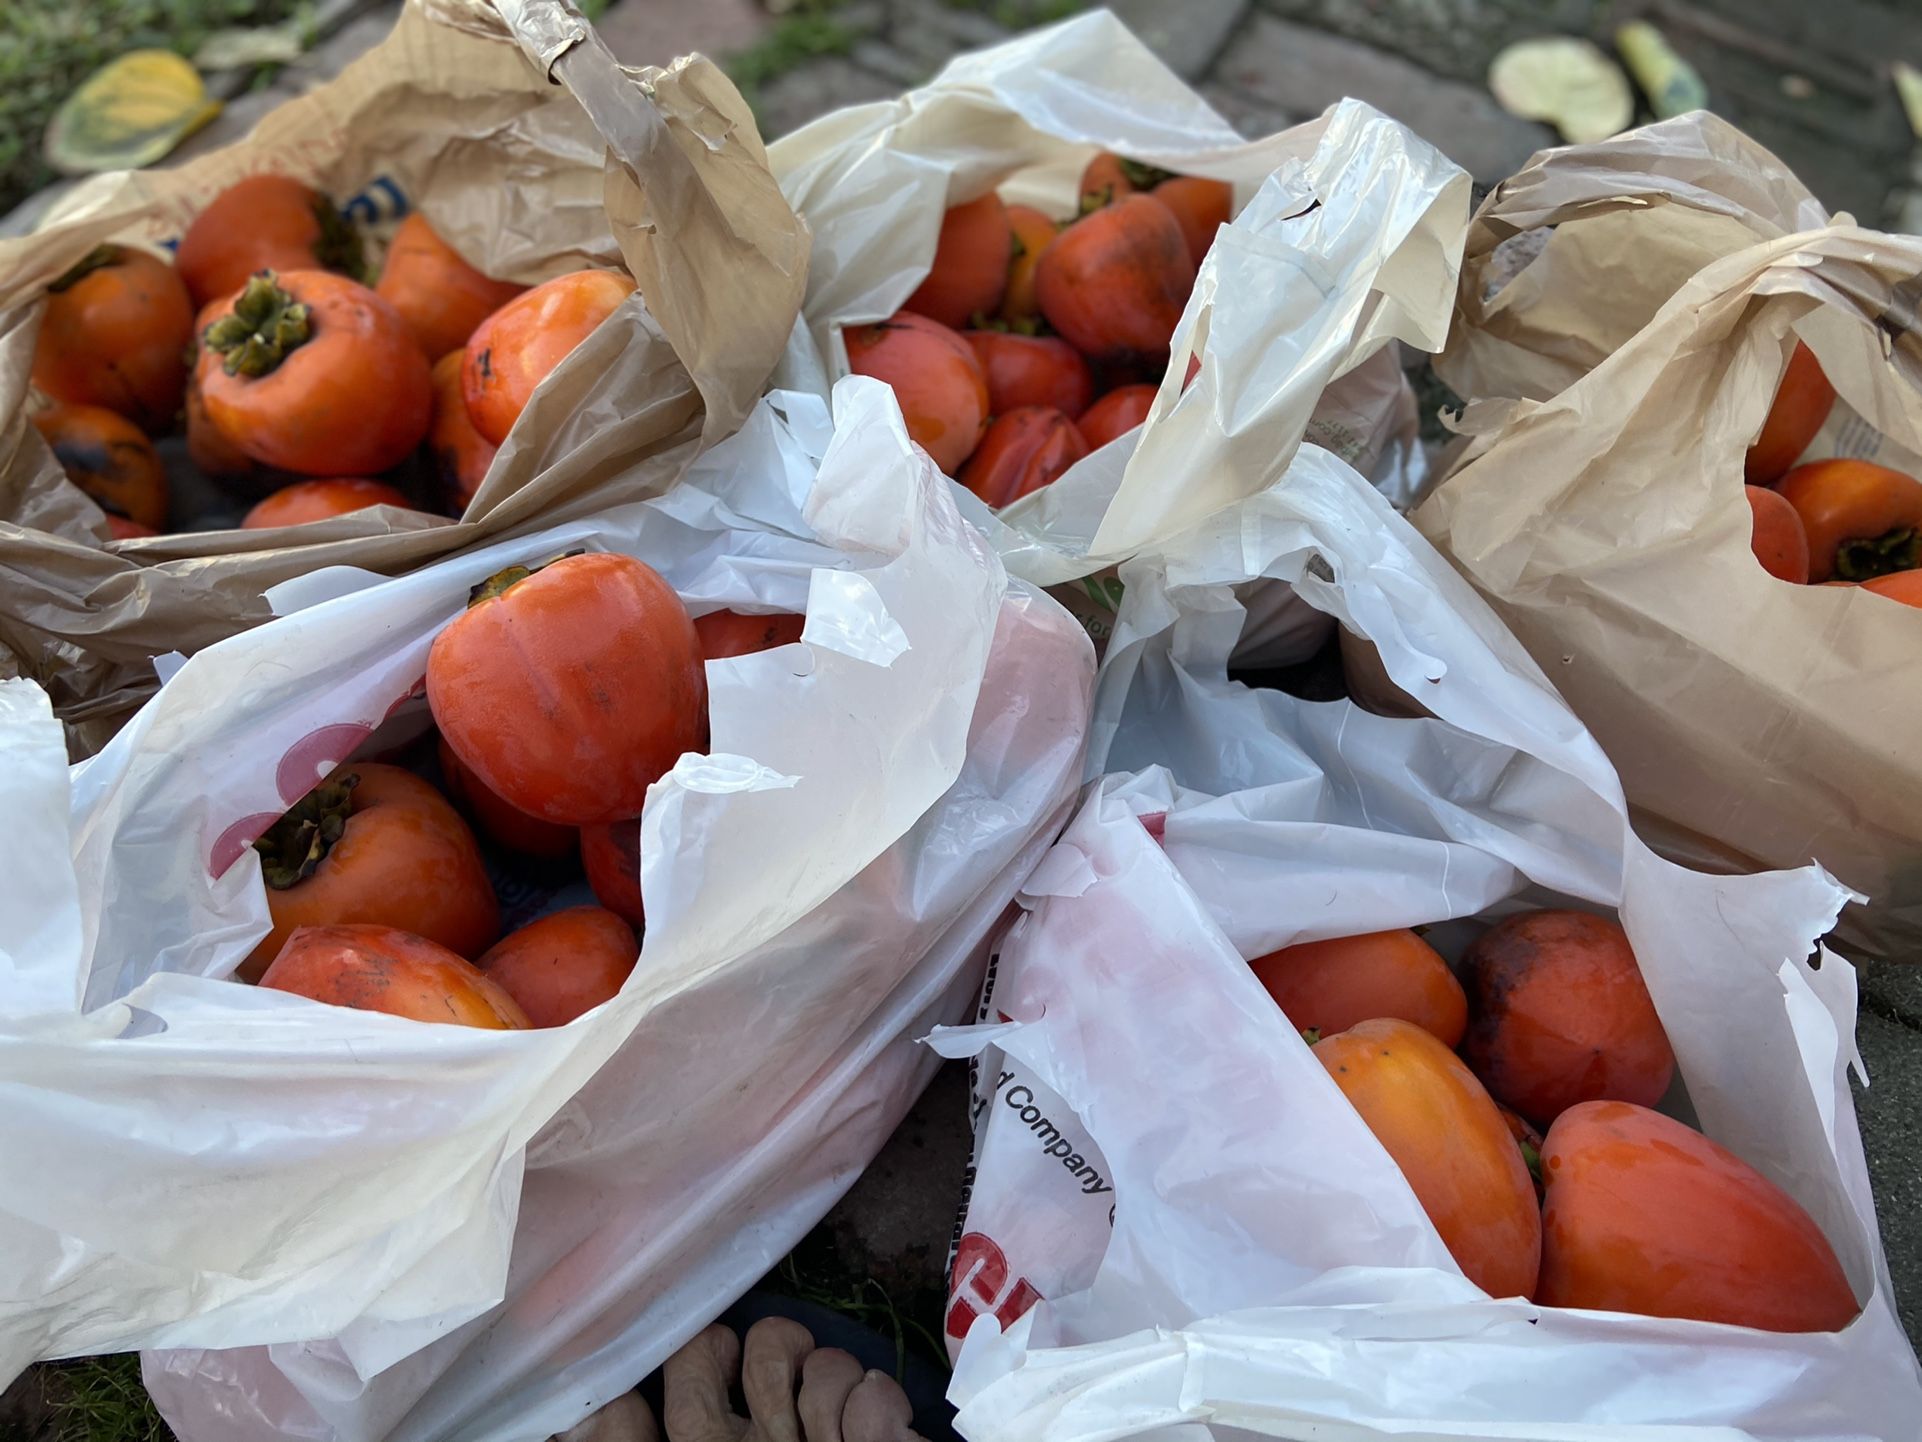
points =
(1268, 1269)
(1348, 236)
(196, 1165)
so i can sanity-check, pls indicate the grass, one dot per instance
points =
(93, 1399)
(47, 47)
(796, 38)
(862, 1300)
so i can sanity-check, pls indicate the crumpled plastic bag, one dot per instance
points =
(500, 1232)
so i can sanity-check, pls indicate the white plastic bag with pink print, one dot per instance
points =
(1177, 1226)
(347, 1226)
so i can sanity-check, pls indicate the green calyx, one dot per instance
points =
(339, 248)
(99, 258)
(1882, 555)
(501, 582)
(1144, 177)
(295, 845)
(265, 326)
(1532, 1158)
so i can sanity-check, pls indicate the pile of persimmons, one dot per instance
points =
(1031, 342)
(1619, 1208)
(297, 386)
(1838, 522)
(560, 695)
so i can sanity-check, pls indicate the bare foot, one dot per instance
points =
(795, 1392)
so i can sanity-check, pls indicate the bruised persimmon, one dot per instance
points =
(1776, 536)
(969, 272)
(375, 844)
(1031, 232)
(1802, 403)
(571, 689)
(312, 373)
(1115, 414)
(1646, 1215)
(1200, 207)
(499, 822)
(388, 969)
(1329, 986)
(517, 347)
(265, 222)
(115, 333)
(440, 297)
(1115, 282)
(1032, 370)
(110, 458)
(1023, 451)
(1861, 519)
(306, 501)
(1432, 1116)
(461, 453)
(1903, 586)
(936, 379)
(564, 964)
(1559, 1014)
(737, 633)
(611, 857)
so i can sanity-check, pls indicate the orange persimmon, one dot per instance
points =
(517, 347)
(461, 453)
(440, 297)
(563, 965)
(1329, 986)
(969, 272)
(1031, 233)
(936, 380)
(265, 222)
(1776, 536)
(110, 458)
(306, 501)
(1023, 451)
(1115, 414)
(1802, 402)
(1199, 206)
(115, 333)
(1115, 282)
(1861, 519)
(387, 969)
(499, 822)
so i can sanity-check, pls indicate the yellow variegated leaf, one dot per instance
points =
(129, 113)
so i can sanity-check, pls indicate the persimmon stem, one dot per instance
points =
(339, 248)
(501, 582)
(1531, 1158)
(1869, 557)
(1311, 1034)
(99, 258)
(265, 326)
(295, 845)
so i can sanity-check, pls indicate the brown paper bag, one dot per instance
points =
(1577, 251)
(1755, 723)
(533, 152)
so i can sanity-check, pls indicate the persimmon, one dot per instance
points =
(1529, 1140)
(936, 379)
(375, 844)
(969, 272)
(1329, 986)
(1646, 1215)
(571, 689)
(1903, 586)
(1032, 370)
(265, 222)
(122, 529)
(1115, 414)
(737, 633)
(1432, 1116)
(1023, 451)
(563, 965)
(1031, 232)
(387, 969)
(311, 373)
(1114, 283)
(499, 822)
(1108, 178)
(110, 458)
(1559, 1014)
(1802, 403)
(1777, 537)
(306, 501)
(611, 856)
(440, 297)
(1862, 519)
(1200, 207)
(517, 347)
(115, 333)
(461, 453)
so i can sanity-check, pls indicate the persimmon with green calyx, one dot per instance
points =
(563, 965)
(1646, 1215)
(1115, 282)
(1443, 1131)
(1862, 520)
(517, 347)
(110, 458)
(312, 373)
(1331, 985)
(570, 689)
(1109, 178)
(391, 970)
(115, 333)
(1559, 1014)
(265, 222)
(969, 272)
(375, 844)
